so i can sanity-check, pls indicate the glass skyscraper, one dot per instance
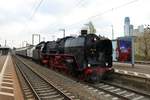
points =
(128, 28)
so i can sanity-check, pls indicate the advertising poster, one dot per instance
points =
(122, 49)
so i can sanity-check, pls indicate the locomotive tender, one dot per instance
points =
(87, 56)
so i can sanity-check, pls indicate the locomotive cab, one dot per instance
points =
(98, 54)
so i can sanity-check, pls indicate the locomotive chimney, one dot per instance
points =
(83, 32)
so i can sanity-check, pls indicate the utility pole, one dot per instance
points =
(133, 52)
(112, 32)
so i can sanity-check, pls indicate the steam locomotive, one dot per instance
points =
(87, 56)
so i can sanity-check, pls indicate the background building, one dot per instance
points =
(139, 31)
(128, 28)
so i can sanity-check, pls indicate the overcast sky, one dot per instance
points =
(18, 19)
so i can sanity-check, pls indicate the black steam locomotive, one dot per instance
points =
(87, 56)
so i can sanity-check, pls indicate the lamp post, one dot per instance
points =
(112, 32)
(63, 31)
(133, 51)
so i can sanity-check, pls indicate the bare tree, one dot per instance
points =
(143, 44)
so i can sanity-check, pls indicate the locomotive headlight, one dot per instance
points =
(106, 64)
(89, 65)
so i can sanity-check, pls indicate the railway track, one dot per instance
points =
(28, 94)
(35, 87)
(145, 78)
(139, 82)
(117, 92)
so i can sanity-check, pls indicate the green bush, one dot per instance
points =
(142, 58)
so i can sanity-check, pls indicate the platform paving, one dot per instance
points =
(2, 60)
(9, 84)
(142, 70)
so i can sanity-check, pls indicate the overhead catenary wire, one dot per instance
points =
(32, 14)
(115, 8)
(36, 9)
(106, 11)
(89, 18)
(79, 3)
(100, 13)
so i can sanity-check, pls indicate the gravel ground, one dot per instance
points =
(76, 88)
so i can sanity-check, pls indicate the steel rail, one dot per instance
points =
(36, 94)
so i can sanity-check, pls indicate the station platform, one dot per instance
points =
(9, 84)
(141, 70)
